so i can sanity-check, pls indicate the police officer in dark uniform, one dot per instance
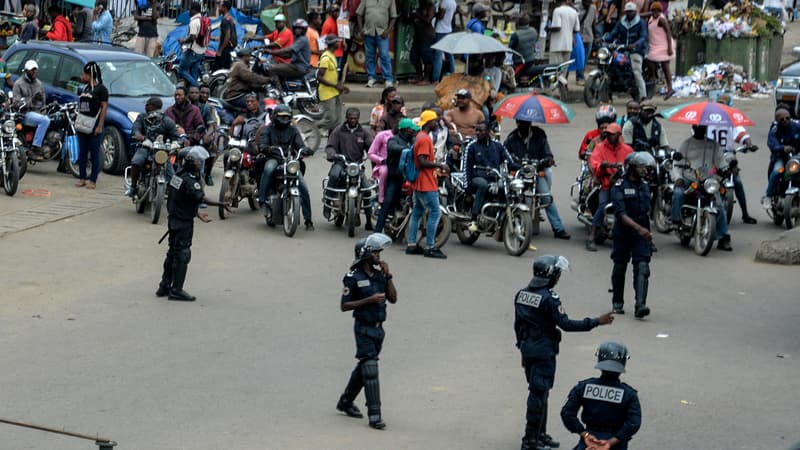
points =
(538, 315)
(611, 411)
(183, 200)
(367, 287)
(630, 197)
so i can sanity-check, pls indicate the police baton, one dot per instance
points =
(163, 237)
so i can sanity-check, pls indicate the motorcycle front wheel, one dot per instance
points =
(777, 214)
(517, 232)
(291, 215)
(729, 201)
(791, 210)
(443, 230)
(563, 92)
(157, 200)
(592, 90)
(310, 132)
(227, 194)
(140, 205)
(11, 174)
(72, 167)
(704, 233)
(352, 215)
(465, 236)
(660, 218)
(311, 108)
(22, 160)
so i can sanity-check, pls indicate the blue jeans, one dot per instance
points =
(738, 189)
(266, 180)
(479, 186)
(140, 157)
(41, 122)
(189, 68)
(89, 144)
(381, 45)
(678, 195)
(425, 201)
(391, 196)
(543, 187)
(604, 196)
(438, 70)
(774, 177)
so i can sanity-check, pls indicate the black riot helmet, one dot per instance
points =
(611, 357)
(282, 116)
(365, 247)
(547, 269)
(193, 157)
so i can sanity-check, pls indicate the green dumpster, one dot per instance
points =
(689, 53)
(739, 51)
(761, 73)
(775, 52)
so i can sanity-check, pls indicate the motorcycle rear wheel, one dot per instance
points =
(311, 108)
(352, 213)
(729, 201)
(592, 94)
(310, 133)
(704, 234)
(291, 215)
(157, 198)
(777, 214)
(11, 174)
(517, 233)
(791, 210)
(465, 236)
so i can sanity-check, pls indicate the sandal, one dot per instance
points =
(669, 94)
(90, 185)
(80, 183)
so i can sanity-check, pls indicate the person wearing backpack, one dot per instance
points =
(189, 68)
(426, 188)
(402, 140)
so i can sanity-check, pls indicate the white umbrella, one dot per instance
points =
(470, 43)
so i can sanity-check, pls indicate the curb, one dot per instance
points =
(785, 250)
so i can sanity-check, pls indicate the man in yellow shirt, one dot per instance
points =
(330, 89)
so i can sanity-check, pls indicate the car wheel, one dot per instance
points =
(113, 149)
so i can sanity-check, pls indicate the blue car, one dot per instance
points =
(130, 78)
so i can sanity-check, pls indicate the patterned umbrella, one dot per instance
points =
(532, 107)
(707, 113)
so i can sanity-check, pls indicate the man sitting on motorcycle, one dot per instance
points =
(199, 98)
(631, 30)
(605, 115)
(403, 138)
(150, 125)
(705, 155)
(482, 155)
(607, 158)
(247, 122)
(632, 109)
(187, 117)
(281, 133)
(530, 143)
(242, 80)
(300, 53)
(28, 90)
(782, 140)
(465, 116)
(643, 132)
(353, 141)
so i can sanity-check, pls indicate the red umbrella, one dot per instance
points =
(533, 107)
(707, 113)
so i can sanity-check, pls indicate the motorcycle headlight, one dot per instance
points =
(132, 116)
(711, 186)
(9, 127)
(235, 155)
(293, 167)
(528, 170)
(793, 167)
(517, 185)
(353, 170)
(160, 157)
(603, 54)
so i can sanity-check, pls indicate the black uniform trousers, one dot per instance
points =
(179, 254)
(540, 372)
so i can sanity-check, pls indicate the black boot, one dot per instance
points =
(746, 218)
(618, 287)
(178, 276)
(531, 439)
(372, 390)
(368, 225)
(641, 281)
(346, 406)
(166, 277)
(725, 243)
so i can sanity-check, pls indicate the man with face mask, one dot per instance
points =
(482, 154)
(700, 153)
(631, 199)
(150, 125)
(199, 98)
(643, 132)
(607, 157)
(186, 116)
(184, 196)
(281, 133)
(631, 31)
(28, 90)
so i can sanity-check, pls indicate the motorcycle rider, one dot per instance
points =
(199, 98)
(391, 117)
(402, 139)
(609, 420)
(605, 115)
(632, 109)
(729, 138)
(243, 127)
(281, 133)
(186, 116)
(632, 238)
(242, 80)
(705, 155)
(782, 140)
(530, 142)
(482, 155)
(300, 53)
(538, 314)
(608, 152)
(631, 30)
(351, 140)
(184, 196)
(189, 67)
(281, 37)
(150, 125)
(29, 91)
(465, 116)
(644, 132)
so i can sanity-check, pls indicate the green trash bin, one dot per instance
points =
(690, 52)
(775, 52)
(762, 60)
(739, 51)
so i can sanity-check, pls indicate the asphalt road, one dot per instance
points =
(259, 360)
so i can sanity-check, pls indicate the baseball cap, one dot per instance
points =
(30, 65)
(407, 123)
(463, 93)
(614, 128)
(244, 52)
(631, 7)
(279, 18)
(331, 39)
(426, 117)
(648, 105)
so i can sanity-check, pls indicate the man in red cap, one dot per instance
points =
(607, 158)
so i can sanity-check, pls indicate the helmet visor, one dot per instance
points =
(562, 263)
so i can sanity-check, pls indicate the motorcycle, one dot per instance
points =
(505, 215)
(9, 157)
(240, 181)
(661, 190)
(397, 222)
(785, 204)
(169, 64)
(614, 73)
(300, 93)
(152, 183)
(585, 193)
(547, 78)
(728, 174)
(124, 31)
(699, 212)
(346, 203)
(283, 197)
(530, 171)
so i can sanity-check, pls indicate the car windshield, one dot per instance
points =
(135, 79)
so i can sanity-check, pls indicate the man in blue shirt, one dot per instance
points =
(631, 31)
(782, 140)
(476, 24)
(102, 23)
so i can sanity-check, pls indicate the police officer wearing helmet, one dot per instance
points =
(184, 196)
(630, 197)
(611, 410)
(538, 315)
(367, 287)
(281, 133)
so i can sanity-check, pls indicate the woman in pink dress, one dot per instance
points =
(377, 154)
(661, 45)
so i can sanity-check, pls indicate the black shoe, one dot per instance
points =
(618, 308)
(749, 220)
(414, 250)
(209, 180)
(181, 296)
(724, 244)
(434, 252)
(533, 444)
(653, 248)
(641, 311)
(377, 424)
(368, 226)
(349, 409)
(309, 225)
(548, 441)
(562, 234)
(162, 291)
(590, 245)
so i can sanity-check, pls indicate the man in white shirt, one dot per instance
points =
(444, 26)
(562, 31)
(191, 61)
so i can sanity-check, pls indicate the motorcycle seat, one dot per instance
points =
(538, 70)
